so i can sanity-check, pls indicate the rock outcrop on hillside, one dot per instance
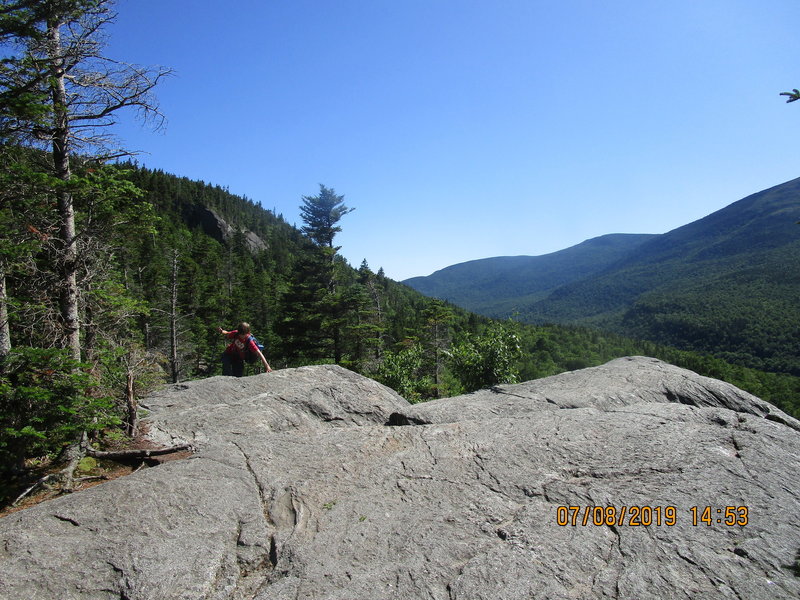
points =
(213, 225)
(318, 483)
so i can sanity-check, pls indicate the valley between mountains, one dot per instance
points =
(726, 285)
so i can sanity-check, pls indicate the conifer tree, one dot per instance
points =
(301, 315)
(439, 318)
(321, 214)
(314, 308)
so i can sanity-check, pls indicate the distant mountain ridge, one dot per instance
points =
(479, 285)
(726, 284)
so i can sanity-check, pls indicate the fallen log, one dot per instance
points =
(65, 480)
(134, 454)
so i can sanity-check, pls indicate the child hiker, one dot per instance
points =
(236, 353)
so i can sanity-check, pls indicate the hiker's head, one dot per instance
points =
(243, 328)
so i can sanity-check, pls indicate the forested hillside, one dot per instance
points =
(726, 285)
(303, 301)
(501, 286)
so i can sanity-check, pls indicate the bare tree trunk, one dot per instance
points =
(65, 478)
(230, 271)
(133, 454)
(5, 330)
(68, 300)
(173, 320)
(376, 298)
(131, 405)
(89, 334)
(337, 345)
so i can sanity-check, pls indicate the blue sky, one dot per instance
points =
(464, 129)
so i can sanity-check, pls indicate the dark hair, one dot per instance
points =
(243, 328)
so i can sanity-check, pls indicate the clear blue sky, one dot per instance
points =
(464, 129)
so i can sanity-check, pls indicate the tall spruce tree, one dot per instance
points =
(439, 318)
(321, 214)
(302, 324)
(314, 309)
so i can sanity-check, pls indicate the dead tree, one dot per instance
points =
(60, 94)
(173, 320)
(79, 92)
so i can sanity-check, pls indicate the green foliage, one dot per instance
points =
(321, 214)
(361, 324)
(46, 401)
(86, 465)
(552, 349)
(483, 361)
(308, 308)
(403, 372)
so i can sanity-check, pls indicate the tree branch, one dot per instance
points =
(793, 95)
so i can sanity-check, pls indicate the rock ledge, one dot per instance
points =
(299, 488)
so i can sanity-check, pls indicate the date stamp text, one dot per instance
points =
(647, 516)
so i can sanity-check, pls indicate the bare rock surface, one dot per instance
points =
(300, 488)
(621, 382)
(213, 225)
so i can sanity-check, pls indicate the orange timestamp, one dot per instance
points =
(646, 516)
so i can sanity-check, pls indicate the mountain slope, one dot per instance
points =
(240, 262)
(727, 284)
(498, 286)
